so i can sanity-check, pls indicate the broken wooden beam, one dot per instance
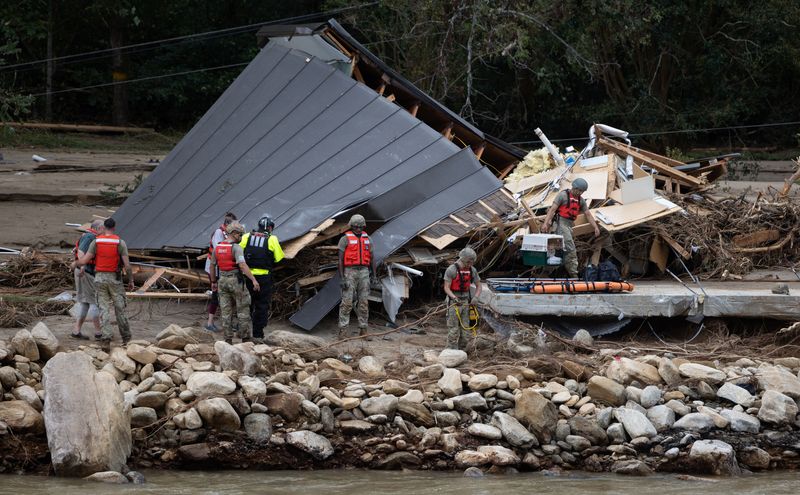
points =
(622, 149)
(756, 238)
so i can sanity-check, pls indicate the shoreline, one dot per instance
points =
(191, 403)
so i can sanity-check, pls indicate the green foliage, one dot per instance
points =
(12, 104)
(116, 193)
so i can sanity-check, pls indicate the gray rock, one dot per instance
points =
(695, 422)
(371, 366)
(8, 377)
(631, 467)
(779, 380)
(141, 354)
(287, 406)
(578, 443)
(135, 477)
(473, 472)
(482, 381)
(662, 417)
(604, 417)
(605, 390)
(583, 338)
(450, 382)
(485, 431)
(258, 427)
(417, 413)
(452, 358)
(45, 340)
(356, 427)
(119, 358)
(197, 452)
(20, 417)
(469, 402)
(29, 395)
(210, 383)
(633, 394)
(740, 421)
(715, 456)
(88, 421)
(156, 400)
(754, 458)
(311, 410)
(735, 394)
(237, 359)
(311, 443)
(513, 431)
(616, 433)
(217, 413)
(188, 420)
(588, 429)
(23, 344)
(697, 371)
(627, 370)
(327, 420)
(252, 388)
(636, 424)
(112, 477)
(312, 347)
(679, 407)
(538, 413)
(395, 387)
(471, 458)
(446, 418)
(669, 372)
(499, 456)
(651, 395)
(777, 408)
(562, 430)
(399, 460)
(143, 416)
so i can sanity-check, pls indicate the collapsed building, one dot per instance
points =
(317, 128)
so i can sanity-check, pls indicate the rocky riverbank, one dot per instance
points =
(185, 401)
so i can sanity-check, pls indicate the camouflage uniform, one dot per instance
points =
(233, 292)
(357, 278)
(457, 337)
(563, 227)
(110, 292)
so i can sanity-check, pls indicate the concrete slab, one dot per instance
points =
(657, 298)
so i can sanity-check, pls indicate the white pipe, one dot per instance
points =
(552, 149)
(405, 268)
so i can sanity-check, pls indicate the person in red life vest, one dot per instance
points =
(86, 300)
(565, 209)
(110, 255)
(462, 284)
(218, 236)
(355, 272)
(228, 258)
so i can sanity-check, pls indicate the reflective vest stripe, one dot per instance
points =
(106, 253)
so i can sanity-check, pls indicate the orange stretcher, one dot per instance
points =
(566, 286)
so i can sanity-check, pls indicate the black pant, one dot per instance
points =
(259, 303)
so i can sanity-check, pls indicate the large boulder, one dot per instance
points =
(119, 358)
(208, 383)
(735, 394)
(606, 390)
(29, 395)
(219, 414)
(452, 358)
(23, 344)
(588, 429)
(416, 413)
(740, 421)
(309, 346)
(714, 457)
(450, 382)
(86, 417)
(45, 340)
(287, 406)
(141, 354)
(258, 427)
(777, 408)
(635, 423)
(661, 417)
(311, 443)
(21, 417)
(695, 422)
(538, 413)
(778, 380)
(702, 372)
(371, 366)
(626, 370)
(237, 359)
(514, 433)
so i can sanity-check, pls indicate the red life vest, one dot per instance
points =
(571, 208)
(106, 257)
(462, 280)
(357, 252)
(211, 241)
(224, 254)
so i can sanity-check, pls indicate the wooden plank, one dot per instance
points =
(150, 281)
(414, 109)
(766, 249)
(488, 208)
(293, 247)
(440, 242)
(305, 282)
(660, 166)
(459, 221)
(756, 238)
(674, 245)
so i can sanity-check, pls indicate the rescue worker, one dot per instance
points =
(86, 305)
(228, 257)
(355, 272)
(565, 208)
(218, 236)
(110, 255)
(459, 280)
(261, 252)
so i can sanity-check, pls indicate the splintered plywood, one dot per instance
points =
(598, 184)
(637, 190)
(535, 181)
(421, 256)
(292, 248)
(627, 213)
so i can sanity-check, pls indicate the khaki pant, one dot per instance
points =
(233, 293)
(111, 293)
(563, 227)
(358, 288)
(457, 336)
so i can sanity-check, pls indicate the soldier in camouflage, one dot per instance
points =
(459, 280)
(355, 272)
(228, 256)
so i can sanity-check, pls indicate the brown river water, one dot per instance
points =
(407, 483)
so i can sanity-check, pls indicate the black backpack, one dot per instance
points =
(608, 272)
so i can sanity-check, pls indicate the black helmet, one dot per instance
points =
(265, 224)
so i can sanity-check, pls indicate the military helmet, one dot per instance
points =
(265, 224)
(581, 184)
(467, 254)
(235, 227)
(357, 221)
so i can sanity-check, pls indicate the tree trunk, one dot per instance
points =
(119, 68)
